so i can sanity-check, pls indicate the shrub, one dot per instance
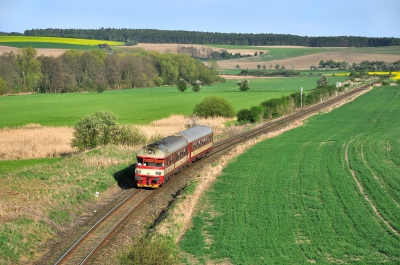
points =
(243, 116)
(252, 115)
(214, 106)
(182, 85)
(244, 85)
(146, 251)
(101, 89)
(297, 99)
(323, 81)
(100, 128)
(220, 79)
(196, 86)
(130, 135)
(271, 107)
(256, 112)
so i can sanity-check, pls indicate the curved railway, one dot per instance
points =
(86, 246)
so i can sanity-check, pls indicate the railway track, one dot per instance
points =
(86, 246)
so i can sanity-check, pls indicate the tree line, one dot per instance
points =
(204, 53)
(365, 65)
(276, 107)
(133, 36)
(97, 70)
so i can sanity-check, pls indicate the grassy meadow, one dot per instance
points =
(41, 199)
(142, 105)
(326, 192)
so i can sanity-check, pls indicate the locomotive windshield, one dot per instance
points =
(150, 162)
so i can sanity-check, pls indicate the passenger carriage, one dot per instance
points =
(158, 161)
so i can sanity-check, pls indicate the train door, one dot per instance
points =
(189, 152)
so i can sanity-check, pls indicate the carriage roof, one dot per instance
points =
(173, 143)
(196, 132)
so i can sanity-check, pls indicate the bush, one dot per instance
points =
(323, 81)
(182, 85)
(271, 108)
(130, 135)
(196, 86)
(101, 89)
(214, 106)
(244, 85)
(148, 251)
(100, 128)
(243, 116)
(256, 112)
(220, 79)
(297, 99)
(252, 115)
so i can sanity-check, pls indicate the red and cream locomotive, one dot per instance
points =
(158, 161)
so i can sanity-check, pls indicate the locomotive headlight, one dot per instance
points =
(158, 173)
(138, 171)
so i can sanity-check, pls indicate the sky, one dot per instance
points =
(366, 18)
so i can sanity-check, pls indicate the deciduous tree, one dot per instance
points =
(182, 85)
(214, 106)
(28, 68)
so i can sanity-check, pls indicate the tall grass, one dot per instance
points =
(35, 141)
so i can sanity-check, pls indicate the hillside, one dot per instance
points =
(349, 55)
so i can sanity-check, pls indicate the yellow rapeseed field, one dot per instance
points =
(56, 40)
(396, 74)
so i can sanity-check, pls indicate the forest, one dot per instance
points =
(97, 70)
(134, 36)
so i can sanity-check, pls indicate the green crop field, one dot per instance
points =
(277, 53)
(293, 199)
(140, 106)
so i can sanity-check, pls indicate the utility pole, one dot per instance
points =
(301, 98)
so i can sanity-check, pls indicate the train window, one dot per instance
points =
(139, 161)
(149, 162)
(159, 163)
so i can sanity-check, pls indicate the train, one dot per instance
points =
(158, 161)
